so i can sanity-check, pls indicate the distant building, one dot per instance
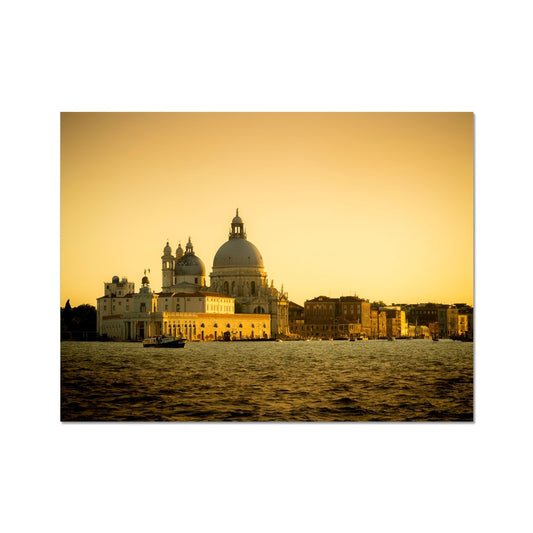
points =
(325, 317)
(296, 318)
(462, 324)
(396, 323)
(441, 319)
(468, 312)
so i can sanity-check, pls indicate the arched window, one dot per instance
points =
(226, 288)
(252, 287)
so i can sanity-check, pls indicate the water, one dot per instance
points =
(405, 380)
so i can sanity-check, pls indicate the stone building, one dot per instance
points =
(465, 313)
(325, 318)
(239, 272)
(200, 316)
(397, 325)
(441, 319)
(240, 304)
(378, 323)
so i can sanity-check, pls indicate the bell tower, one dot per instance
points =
(167, 267)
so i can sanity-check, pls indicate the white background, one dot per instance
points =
(265, 56)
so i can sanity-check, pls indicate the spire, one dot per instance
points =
(189, 247)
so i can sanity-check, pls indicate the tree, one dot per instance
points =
(81, 318)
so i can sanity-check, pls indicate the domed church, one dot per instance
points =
(238, 271)
(184, 272)
(239, 305)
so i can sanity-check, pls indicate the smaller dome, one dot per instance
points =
(167, 250)
(115, 279)
(190, 265)
(145, 280)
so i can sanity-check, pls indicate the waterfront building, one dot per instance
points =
(394, 320)
(378, 328)
(374, 323)
(468, 311)
(320, 310)
(239, 272)
(325, 317)
(296, 319)
(397, 325)
(201, 316)
(441, 319)
(239, 304)
(462, 324)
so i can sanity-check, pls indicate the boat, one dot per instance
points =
(362, 337)
(164, 341)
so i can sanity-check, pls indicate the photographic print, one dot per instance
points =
(267, 267)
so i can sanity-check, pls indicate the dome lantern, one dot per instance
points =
(237, 227)
(238, 252)
(179, 251)
(189, 248)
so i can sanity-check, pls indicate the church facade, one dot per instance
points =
(239, 304)
(238, 271)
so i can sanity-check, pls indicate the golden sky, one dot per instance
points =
(377, 204)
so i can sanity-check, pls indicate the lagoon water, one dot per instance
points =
(405, 380)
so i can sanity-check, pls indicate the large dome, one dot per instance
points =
(238, 253)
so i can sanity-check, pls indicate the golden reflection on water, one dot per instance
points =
(266, 381)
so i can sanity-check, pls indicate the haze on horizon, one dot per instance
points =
(377, 204)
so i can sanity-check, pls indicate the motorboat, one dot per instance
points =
(164, 341)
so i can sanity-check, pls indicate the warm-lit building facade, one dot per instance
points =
(441, 319)
(326, 318)
(240, 304)
(200, 316)
(238, 271)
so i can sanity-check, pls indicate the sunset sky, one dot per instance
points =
(377, 204)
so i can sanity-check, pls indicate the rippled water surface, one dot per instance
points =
(268, 381)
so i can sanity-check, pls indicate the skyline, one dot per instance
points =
(374, 204)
